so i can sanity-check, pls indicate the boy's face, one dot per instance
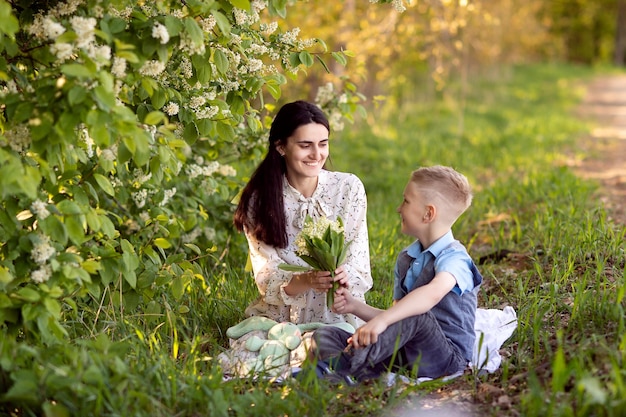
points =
(412, 210)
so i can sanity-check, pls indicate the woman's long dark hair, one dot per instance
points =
(261, 207)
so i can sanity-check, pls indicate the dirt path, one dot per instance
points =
(604, 151)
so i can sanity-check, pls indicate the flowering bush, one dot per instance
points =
(321, 244)
(119, 122)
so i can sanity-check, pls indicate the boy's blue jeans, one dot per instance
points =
(415, 342)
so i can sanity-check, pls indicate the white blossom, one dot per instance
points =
(118, 68)
(85, 30)
(227, 171)
(167, 194)
(290, 36)
(84, 135)
(254, 65)
(315, 228)
(185, 67)
(160, 32)
(36, 28)
(39, 209)
(140, 177)
(171, 109)
(325, 94)
(269, 28)
(42, 274)
(42, 250)
(67, 8)
(152, 68)
(18, 138)
(241, 17)
(207, 112)
(139, 197)
(208, 24)
(52, 29)
(110, 154)
(63, 51)
(144, 216)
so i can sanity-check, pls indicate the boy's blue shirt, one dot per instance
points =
(447, 258)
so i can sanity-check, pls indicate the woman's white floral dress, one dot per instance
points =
(338, 194)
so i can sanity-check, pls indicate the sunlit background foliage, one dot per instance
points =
(128, 128)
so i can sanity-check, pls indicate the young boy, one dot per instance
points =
(430, 326)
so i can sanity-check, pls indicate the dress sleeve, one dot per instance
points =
(354, 215)
(269, 278)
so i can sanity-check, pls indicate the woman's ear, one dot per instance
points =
(279, 148)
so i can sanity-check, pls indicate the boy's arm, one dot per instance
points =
(346, 303)
(418, 301)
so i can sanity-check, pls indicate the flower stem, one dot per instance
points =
(330, 295)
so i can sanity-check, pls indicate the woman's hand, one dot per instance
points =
(319, 281)
(341, 276)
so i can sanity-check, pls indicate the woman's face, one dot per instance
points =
(305, 151)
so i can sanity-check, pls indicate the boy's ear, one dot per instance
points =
(431, 212)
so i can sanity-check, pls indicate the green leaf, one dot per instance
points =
(76, 228)
(321, 61)
(222, 22)
(313, 262)
(155, 118)
(76, 95)
(25, 387)
(131, 261)
(194, 31)
(294, 59)
(69, 207)
(221, 61)
(77, 70)
(294, 268)
(203, 68)
(278, 8)
(54, 228)
(53, 307)
(28, 294)
(342, 256)
(131, 278)
(340, 58)
(178, 288)
(9, 25)
(306, 58)
(242, 4)
(105, 184)
(54, 409)
(162, 243)
(5, 276)
(194, 248)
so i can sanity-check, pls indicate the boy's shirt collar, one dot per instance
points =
(439, 245)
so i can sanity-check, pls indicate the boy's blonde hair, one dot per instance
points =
(444, 187)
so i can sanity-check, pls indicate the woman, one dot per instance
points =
(289, 184)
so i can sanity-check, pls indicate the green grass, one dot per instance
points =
(564, 276)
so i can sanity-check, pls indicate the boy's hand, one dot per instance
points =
(368, 333)
(345, 303)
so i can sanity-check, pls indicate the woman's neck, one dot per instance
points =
(305, 185)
